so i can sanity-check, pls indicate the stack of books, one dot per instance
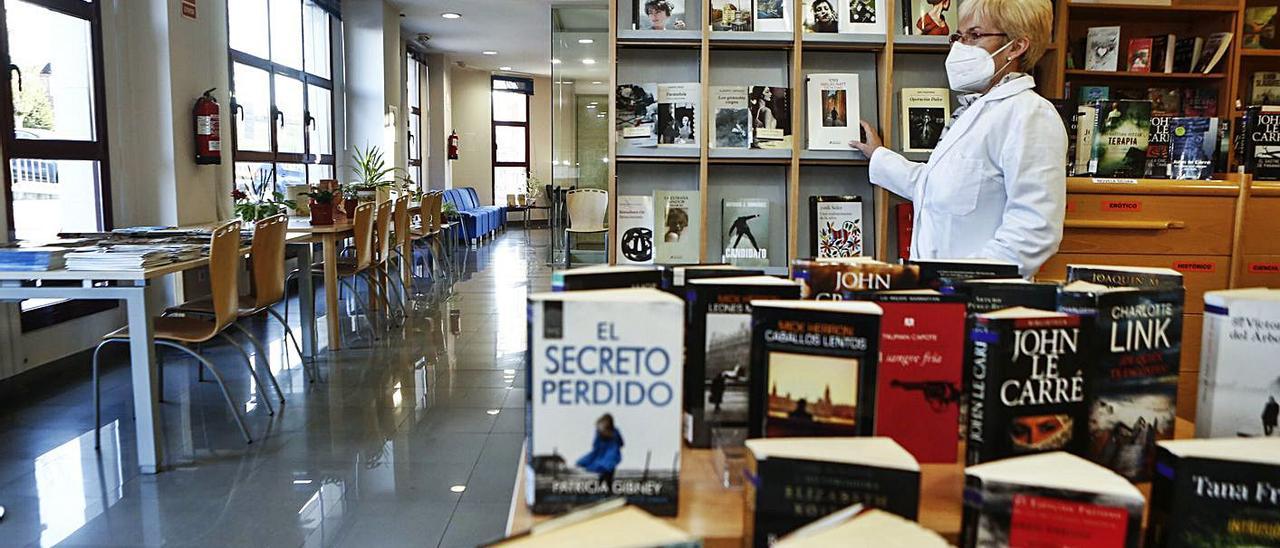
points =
(29, 259)
(131, 257)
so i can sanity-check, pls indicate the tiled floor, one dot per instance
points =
(371, 456)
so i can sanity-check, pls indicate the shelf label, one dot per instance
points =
(1195, 266)
(1121, 205)
(1264, 268)
(1071, 207)
(1107, 181)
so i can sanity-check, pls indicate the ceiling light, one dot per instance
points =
(586, 41)
(493, 411)
(591, 107)
(596, 83)
(489, 52)
(594, 103)
(458, 488)
(555, 61)
(504, 68)
(588, 61)
(509, 371)
(451, 15)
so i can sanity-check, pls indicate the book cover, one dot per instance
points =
(847, 279)
(732, 117)
(918, 384)
(1215, 48)
(1192, 148)
(635, 229)
(1102, 49)
(945, 274)
(796, 481)
(832, 111)
(678, 214)
(835, 226)
(678, 114)
(1157, 164)
(987, 295)
(773, 15)
(718, 351)
(1239, 373)
(1086, 119)
(770, 117)
(1029, 385)
(821, 16)
(732, 15)
(1066, 109)
(745, 226)
(1259, 27)
(1162, 52)
(1216, 492)
(874, 527)
(1265, 89)
(813, 368)
(905, 215)
(926, 18)
(1165, 101)
(1052, 499)
(1199, 102)
(606, 277)
(1120, 137)
(675, 278)
(1137, 336)
(1125, 276)
(1185, 53)
(660, 14)
(1140, 54)
(863, 16)
(636, 114)
(1261, 142)
(605, 373)
(925, 112)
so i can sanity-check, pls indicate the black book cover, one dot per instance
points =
(1028, 386)
(1198, 501)
(674, 279)
(718, 354)
(813, 370)
(991, 295)
(613, 278)
(1262, 142)
(1157, 166)
(944, 275)
(786, 494)
(1119, 276)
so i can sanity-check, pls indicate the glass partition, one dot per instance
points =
(580, 75)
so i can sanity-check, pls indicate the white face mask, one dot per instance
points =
(970, 68)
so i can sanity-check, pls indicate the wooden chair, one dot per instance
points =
(178, 332)
(431, 233)
(356, 266)
(400, 234)
(586, 209)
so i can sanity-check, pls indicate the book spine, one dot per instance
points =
(971, 515)
(1213, 322)
(695, 369)
(1163, 485)
(978, 379)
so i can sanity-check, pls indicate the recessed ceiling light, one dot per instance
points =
(493, 411)
(594, 103)
(596, 83)
(586, 41)
(555, 61)
(591, 107)
(588, 61)
(504, 68)
(489, 52)
(509, 371)
(458, 488)
(451, 15)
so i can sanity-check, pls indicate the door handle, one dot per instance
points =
(14, 68)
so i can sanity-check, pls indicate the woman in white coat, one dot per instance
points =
(995, 185)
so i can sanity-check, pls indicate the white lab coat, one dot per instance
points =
(995, 186)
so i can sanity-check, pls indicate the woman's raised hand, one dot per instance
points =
(872, 143)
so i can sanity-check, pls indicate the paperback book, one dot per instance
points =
(988, 295)
(862, 16)
(925, 112)
(1259, 28)
(832, 111)
(718, 352)
(1165, 101)
(676, 278)
(606, 277)
(926, 18)
(1239, 372)
(605, 379)
(678, 114)
(1215, 48)
(1266, 88)
(1193, 148)
(732, 117)
(635, 229)
(821, 16)
(745, 225)
(1261, 142)
(1051, 499)
(732, 15)
(770, 109)
(1199, 102)
(1086, 119)
(1157, 166)
(611, 519)
(1120, 137)
(678, 214)
(636, 112)
(1216, 492)
(944, 274)
(813, 368)
(835, 226)
(1093, 94)
(847, 279)
(1185, 53)
(1162, 46)
(1140, 54)
(868, 525)
(1142, 277)
(1102, 49)
(793, 482)
(660, 14)
(773, 15)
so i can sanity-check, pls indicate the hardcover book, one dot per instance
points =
(905, 215)
(1215, 48)
(606, 277)
(813, 368)
(1162, 46)
(732, 117)
(1051, 499)
(1142, 277)
(1165, 101)
(1217, 492)
(770, 117)
(1266, 88)
(835, 226)
(1086, 119)
(863, 16)
(926, 18)
(605, 378)
(635, 229)
(868, 526)
(661, 15)
(1120, 137)
(718, 352)
(1102, 49)
(678, 114)
(918, 385)
(1029, 384)
(773, 15)
(832, 111)
(1185, 53)
(846, 279)
(1239, 372)
(610, 524)
(1262, 142)
(745, 225)
(732, 15)
(1140, 54)
(1093, 94)
(1157, 165)
(636, 112)
(1259, 27)
(1137, 340)
(1199, 102)
(793, 482)
(676, 277)
(924, 113)
(987, 295)
(944, 274)
(678, 214)
(821, 16)
(1193, 148)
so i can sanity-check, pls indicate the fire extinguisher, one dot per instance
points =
(453, 145)
(208, 142)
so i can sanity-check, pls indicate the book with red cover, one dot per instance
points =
(1140, 54)
(906, 221)
(921, 365)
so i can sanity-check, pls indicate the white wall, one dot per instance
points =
(438, 118)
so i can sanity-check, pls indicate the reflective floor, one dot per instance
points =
(412, 440)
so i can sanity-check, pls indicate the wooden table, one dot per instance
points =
(328, 236)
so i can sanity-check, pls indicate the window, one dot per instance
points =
(510, 136)
(281, 92)
(413, 90)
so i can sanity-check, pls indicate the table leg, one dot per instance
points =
(307, 301)
(146, 389)
(330, 244)
(406, 261)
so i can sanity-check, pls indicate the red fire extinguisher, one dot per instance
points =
(453, 145)
(208, 142)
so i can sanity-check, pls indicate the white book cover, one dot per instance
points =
(636, 114)
(1102, 49)
(678, 114)
(863, 16)
(635, 230)
(732, 125)
(924, 114)
(773, 15)
(661, 15)
(1239, 373)
(677, 217)
(605, 385)
(832, 111)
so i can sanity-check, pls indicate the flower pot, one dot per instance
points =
(321, 214)
(366, 196)
(349, 207)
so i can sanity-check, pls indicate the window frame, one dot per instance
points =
(413, 155)
(495, 124)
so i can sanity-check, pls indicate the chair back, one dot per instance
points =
(382, 231)
(267, 253)
(587, 207)
(224, 275)
(435, 212)
(364, 235)
(400, 220)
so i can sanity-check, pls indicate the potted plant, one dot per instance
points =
(321, 205)
(532, 186)
(259, 200)
(449, 211)
(371, 173)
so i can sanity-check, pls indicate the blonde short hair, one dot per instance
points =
(1030, 19)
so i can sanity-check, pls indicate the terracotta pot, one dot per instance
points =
(321, 214)
(349, 206)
